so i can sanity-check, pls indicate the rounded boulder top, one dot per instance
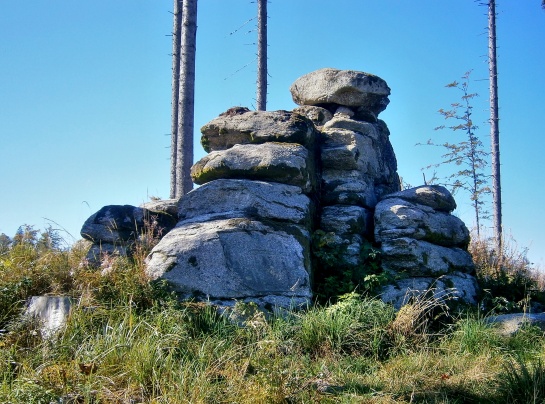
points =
(342, 87)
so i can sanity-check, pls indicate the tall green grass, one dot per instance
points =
(128, 340)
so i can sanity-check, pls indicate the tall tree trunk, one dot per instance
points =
(494, 125)
(176, 29)
(186, 100)
(261, 55)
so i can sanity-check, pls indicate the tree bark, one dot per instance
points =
(186, 100)
(261, 97)
(176, 29)
(494, 126)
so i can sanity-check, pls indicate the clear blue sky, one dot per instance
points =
(85, 92)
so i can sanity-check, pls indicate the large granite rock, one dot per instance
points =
(234, 259)
(225, 198)
(343, 87)
(398, 218)
(274, 179)
(288, 163)
(243, 126)
(436, 197)
(421, 258)
(51, 312)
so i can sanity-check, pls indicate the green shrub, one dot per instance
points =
(335, 276)
(509, 281)
(474, 336)
(352, 325)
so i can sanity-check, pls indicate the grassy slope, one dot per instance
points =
(129, 341)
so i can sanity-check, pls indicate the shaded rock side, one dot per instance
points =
(168, 206)
(346, 220)
(318, 115)
(343, 87)
(225, 198)
(287, 163)
(358, 164)
(234, 259)
(119, 223)
(256, 127)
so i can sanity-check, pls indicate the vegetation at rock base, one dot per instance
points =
(129, 340)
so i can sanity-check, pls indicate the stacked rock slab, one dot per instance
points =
(245, 233)
(114, 228)
(424, 247)
(358, 164)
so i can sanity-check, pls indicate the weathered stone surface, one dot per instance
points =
(244, 198)
(255, 127)
(346, 220)
(318, 115)
(420, 258)
(509, 324)
(396, 217)
(287, 163)
(363, 128)
(347, 150)
(455, 287)
(233, 259)
(344, 112)
(434, 196)
(169, 206)
(347, 188)
(50, 311)
(344, 87)
(118, 223)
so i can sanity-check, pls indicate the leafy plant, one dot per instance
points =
(336, 276)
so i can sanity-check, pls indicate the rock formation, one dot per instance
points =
(423, 245)
(272, 179)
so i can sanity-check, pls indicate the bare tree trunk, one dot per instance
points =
(186, 99)
(494, 125)
(261, 55)
(176, 29)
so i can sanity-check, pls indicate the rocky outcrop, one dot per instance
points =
(423, 244)
(358, 164)
(245, 233)
(275, 180)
